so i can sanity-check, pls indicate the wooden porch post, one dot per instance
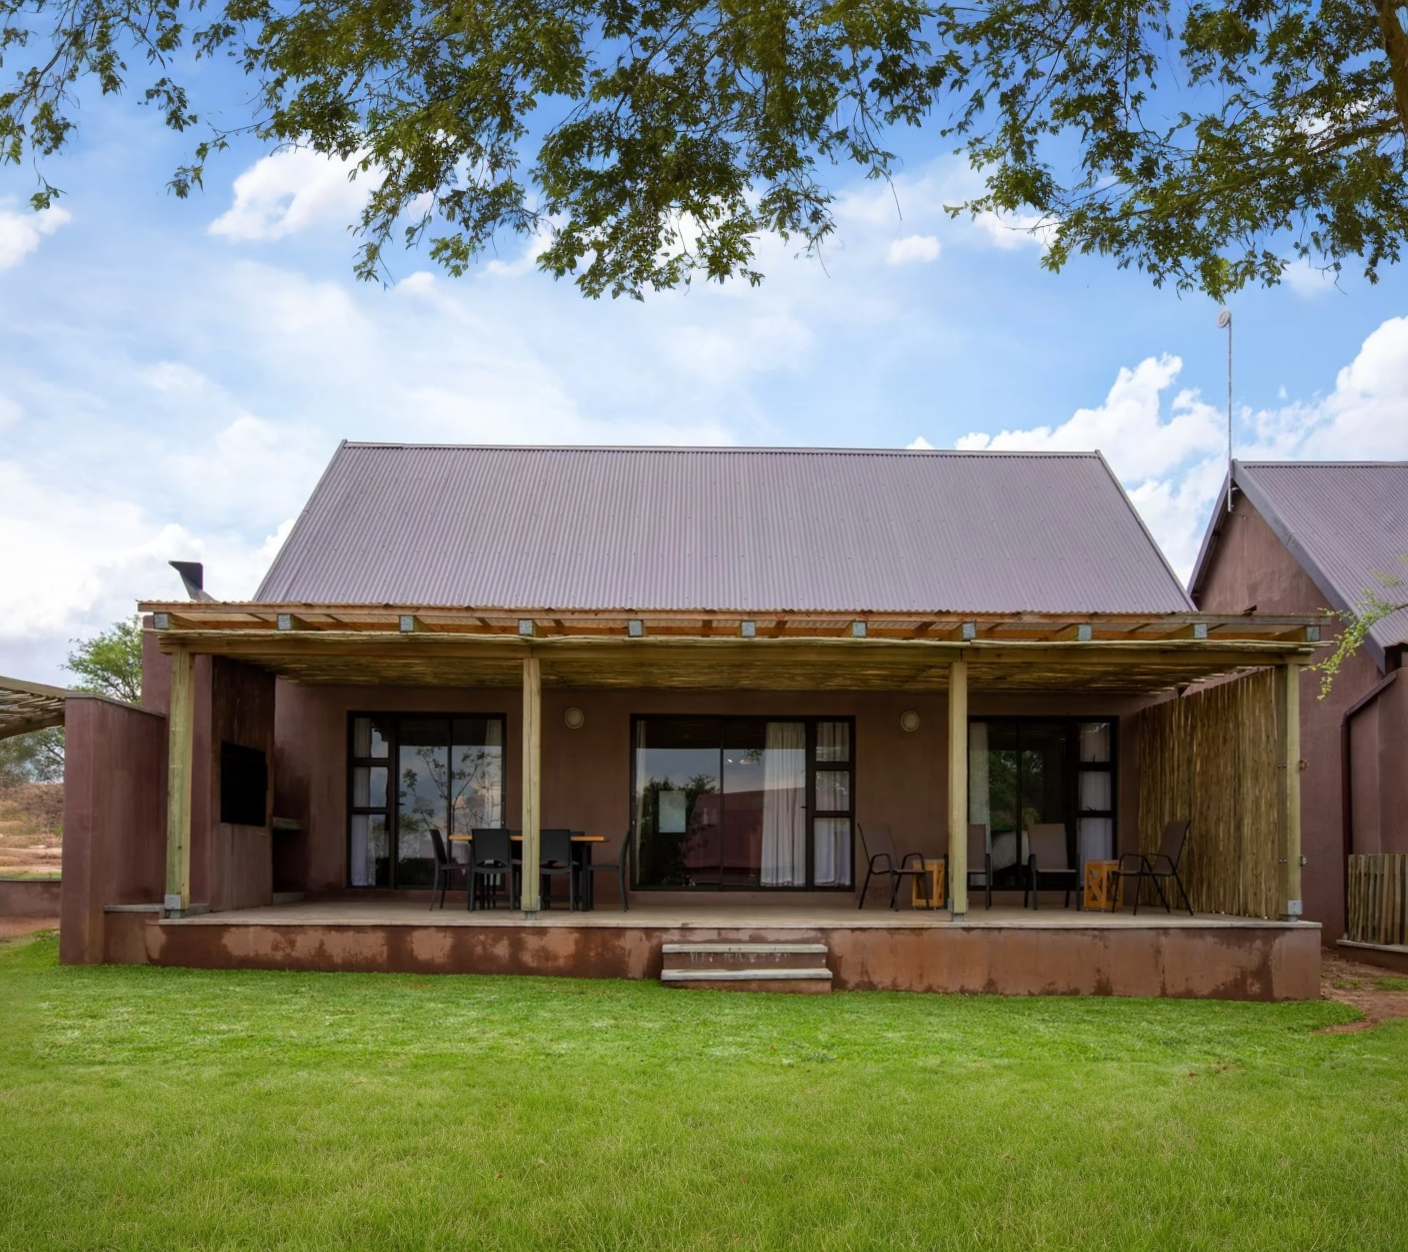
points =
(1288, 791)
(532, 781)
(180, 731)
(958, 787)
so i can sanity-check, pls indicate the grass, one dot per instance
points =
(148, 1108)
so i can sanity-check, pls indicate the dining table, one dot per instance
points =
(581, 844)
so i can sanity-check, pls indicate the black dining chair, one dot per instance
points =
(555, 857)
(621, 867)
(445, 869)
(491, 864)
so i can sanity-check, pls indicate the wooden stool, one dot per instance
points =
(1102, 886)
(934, 873)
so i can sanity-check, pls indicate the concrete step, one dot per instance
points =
(725, 955)
(744, 966)
(809, 981)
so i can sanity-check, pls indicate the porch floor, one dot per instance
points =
(1007, 949)
(691, 914)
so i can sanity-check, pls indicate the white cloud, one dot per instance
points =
(919, 444)
(20, 233)
(1015, 230)
(913, 248)
(1307, 280)
(292, 191)
(1168, 446)
(1130, 427)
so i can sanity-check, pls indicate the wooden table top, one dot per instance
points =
(519, 838)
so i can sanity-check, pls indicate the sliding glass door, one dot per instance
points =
(1024, 772)
(742, 802)
(410, 774)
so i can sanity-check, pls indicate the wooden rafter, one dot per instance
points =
(26, 707)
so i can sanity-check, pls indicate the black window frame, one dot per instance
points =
(391, 809)
(810, 721)
(1074, 766)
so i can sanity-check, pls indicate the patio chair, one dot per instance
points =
(445, 868)
(1049, 857)
(621, 867)
(1156, 865)
(491, 864)
(555, 857)
(880, 858)
(978, 854)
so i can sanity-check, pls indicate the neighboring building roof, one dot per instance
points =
(722, 529)
(1345, 522)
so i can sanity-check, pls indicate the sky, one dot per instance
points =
(174, 375)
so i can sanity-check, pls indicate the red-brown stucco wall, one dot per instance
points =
(901, 777)
(1251, 568)
(114, 849)
(231, 866)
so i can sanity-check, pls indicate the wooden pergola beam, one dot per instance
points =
(180, 726)
(530, 886)
(957, 887)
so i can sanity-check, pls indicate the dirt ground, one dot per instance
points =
(1378, 993)
(31, 830)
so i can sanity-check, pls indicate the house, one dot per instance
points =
(737, 667)
(1305, 537)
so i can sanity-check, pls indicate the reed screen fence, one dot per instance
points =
(1210, 758)
(1378, 898)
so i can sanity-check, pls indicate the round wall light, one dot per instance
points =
(574, 717)
(909, 721)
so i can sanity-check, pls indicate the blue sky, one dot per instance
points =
(174, 375)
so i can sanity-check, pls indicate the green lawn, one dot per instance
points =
(147, 1108)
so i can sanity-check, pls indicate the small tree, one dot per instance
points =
(35, 757)
(110, 663)
(1369, 609)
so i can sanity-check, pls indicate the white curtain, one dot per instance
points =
(784, 805)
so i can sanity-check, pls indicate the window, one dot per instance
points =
(1028, 771)
(745, 802)
(411, 774)
(244, 786)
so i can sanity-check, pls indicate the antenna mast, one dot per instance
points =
(1224, 321)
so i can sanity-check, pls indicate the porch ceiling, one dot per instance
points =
(437, 647)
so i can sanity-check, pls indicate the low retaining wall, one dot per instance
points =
(29, 897)
(1239, 961)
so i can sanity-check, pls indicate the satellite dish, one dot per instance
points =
(1224, 319)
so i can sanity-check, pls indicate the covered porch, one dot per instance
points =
(571, 687)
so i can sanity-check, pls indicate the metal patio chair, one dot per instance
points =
(491, 865)
(555, 857)
(1156, 865)
(978, 854)
(878, 844)
(1049, 857)
(445, 868)
(621, 867)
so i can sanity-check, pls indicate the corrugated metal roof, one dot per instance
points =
(1346, 522)
(751, 530)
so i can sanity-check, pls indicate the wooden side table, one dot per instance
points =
(934, 872)
(1102, 886)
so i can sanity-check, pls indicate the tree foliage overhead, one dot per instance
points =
(648, 141)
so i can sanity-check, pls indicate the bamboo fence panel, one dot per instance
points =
(1378, 898)
(1210, 758)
